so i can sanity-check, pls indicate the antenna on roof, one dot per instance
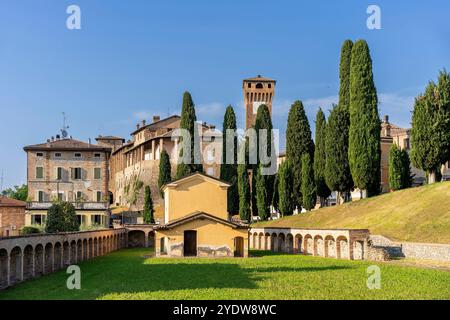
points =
(64, 128)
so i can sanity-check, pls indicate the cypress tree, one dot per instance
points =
(406, 166)
(164, 170)
(298, 142)
(244, 192)
(286, 201)
(188, 122)
(275, 197)
(444, 115)
(264, 122)
(344, 75)
(262, 195)
(426, 153)
(148, 206)
(228, 171)
(365, 127)
(395, 168)
(337, 168)
(320, 158)
(308, 183)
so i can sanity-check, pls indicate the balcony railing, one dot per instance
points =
(78, 205)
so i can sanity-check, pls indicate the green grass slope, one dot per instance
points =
(416, 215)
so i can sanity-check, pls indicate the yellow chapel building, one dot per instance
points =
(196, 221)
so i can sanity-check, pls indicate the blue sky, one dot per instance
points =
(134, 59)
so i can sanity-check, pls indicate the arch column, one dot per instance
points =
(295, 244)
(350, 249)
(8, 270)
(145, 239)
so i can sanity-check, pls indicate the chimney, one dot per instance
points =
(143, 123)
(137, 126)
(89, 141)
(156, 118)
(53, 138)
(386, 119)
(58, 137)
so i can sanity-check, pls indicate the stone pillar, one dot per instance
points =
(145, 239)
(350, 249)
(8, 270)
(20, 269)
(294, 245)
(366, 250)
(337, 250)
(153, 150)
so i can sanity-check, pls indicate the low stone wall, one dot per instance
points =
(27, 257)
(425, 251)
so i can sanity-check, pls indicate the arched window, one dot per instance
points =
(259, 86)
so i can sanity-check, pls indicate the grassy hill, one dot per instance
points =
(416, 215)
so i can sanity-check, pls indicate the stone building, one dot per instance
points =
(12, 216)
(257, 91)
(68, 170)
(136, 163)
(196, 220)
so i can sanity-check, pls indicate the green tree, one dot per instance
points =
(148, 206)
(426, 138)
(188, 122)
(298, 142)
(337, 168)
(344, 75)
(406, 175)
(61, 217)
(228, 171)
(275, 198)
(164, 170)
(395, 168)
(244, 192)
(285, 193)
(364, 136)
(320, 158)
(262, 195)
(308, 183)
(18, 193)
(444, 115)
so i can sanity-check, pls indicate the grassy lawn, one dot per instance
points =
(128, 275)
(416, 215)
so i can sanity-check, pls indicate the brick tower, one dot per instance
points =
(257, 91)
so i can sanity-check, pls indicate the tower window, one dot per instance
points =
(259, 86)
(249, 85)
(269, 85)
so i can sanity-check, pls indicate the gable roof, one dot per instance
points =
(157, 124)
(198, 215)
(66, 145)
(9, 202)
(177, 182)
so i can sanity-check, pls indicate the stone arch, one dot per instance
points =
(289, 243)
(57, 256)
(358, 250)
(15, 271)
(298, 243)
(28, 262)
(342, 247)
(274, 242)
(281, 242)
(85, 250)
(136, 239)
(66, 253)
(267, 241)
(90, 250)
(318, 246)
(105, 246)
(39, 260)
(4, 267)
(308, 245)
(330, 247)
(73, 252)
(48, 258)
(260, 241)
(151, 239)
(95, 249)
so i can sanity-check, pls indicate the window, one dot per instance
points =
(59, 173)
(39, 173)
(39, 154)
(97, 173)
(269, 85)
(98, 196)
(96, 219)
(259, 86)
(249, 85)
(61, 196)
(406, 143)
(76, 173)
(77, 155)
(81, 219)
(97, 155)
(38, 219)
(40, 196)
(58, 155)
(78, 196)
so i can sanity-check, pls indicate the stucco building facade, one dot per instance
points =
(12, 216)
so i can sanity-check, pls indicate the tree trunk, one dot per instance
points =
(431, 177)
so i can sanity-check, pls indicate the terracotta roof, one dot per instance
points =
(8, 202)
(200, 215)
(156, 124)
(66, 144)
(260, 78)
(195, 174)
(109, 138)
